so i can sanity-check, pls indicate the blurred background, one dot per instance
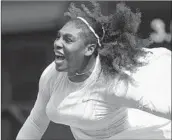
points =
(28, 30)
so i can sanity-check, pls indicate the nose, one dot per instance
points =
(58, 44)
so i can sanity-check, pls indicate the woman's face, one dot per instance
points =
(69, 48)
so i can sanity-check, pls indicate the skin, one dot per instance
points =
(78, 56)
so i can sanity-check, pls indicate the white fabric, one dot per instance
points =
(94, 110)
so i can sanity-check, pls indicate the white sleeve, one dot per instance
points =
(153, 92)
(37, 122)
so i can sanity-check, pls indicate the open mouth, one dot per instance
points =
(59, 56)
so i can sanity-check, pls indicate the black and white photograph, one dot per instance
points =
(85, 70)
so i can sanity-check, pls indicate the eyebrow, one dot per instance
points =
(67, 35)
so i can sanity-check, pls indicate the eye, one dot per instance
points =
(68, 39)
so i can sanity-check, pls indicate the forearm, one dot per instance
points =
(155, 108)
(38, 121)
(30, 130)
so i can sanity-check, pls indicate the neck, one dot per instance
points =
(84, 71)
(87, 65)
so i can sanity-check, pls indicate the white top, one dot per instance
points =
(104, 109)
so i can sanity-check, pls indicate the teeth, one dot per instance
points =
(59, 55)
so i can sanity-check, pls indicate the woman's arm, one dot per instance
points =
(37, 122)
(153, 92)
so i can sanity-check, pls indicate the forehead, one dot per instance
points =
(70, 28)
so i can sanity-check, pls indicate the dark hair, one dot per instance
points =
(87, 35)
(120, 48)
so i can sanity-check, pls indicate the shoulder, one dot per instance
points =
(48, 70)
(158, 65)
(156, 53)
(161, 57)
(154, 78)
(48, 74)
(158, 56)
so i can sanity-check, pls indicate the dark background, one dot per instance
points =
(27, 35)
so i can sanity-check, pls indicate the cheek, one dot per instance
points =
(74, 58)
(73, 51)
(69, 53)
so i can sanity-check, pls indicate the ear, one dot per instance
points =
(89, 50)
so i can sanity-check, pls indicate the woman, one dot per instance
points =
(103, 84)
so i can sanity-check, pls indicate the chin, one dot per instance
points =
(61, 69)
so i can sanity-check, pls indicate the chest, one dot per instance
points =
(81, 107)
